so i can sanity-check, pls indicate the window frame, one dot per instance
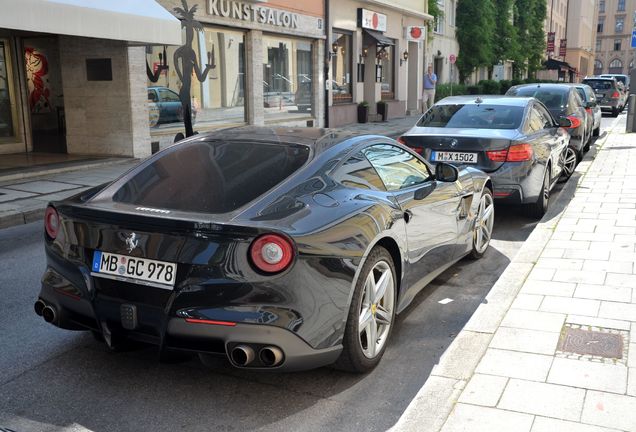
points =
(429, 169)
(349, 96)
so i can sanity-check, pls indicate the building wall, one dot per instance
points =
(443, 43)
(581, 35)
(607, 38)
(105, 117)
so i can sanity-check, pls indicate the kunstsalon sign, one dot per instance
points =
(251, 12)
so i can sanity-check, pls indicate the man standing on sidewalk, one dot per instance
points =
(428, 96)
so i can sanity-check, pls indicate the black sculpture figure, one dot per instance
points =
(185, 62)
(163, 66)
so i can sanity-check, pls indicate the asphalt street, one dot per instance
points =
(52, 380)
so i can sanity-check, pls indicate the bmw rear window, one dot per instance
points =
(554, 99)
(212, 176)
(480, 116)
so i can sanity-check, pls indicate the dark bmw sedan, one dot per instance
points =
(276, 248)
(563, 100)
(514, 140)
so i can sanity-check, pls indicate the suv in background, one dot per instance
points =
(608, 94)
(591, 106)
(620, 78)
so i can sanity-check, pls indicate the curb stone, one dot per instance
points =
(433, 403)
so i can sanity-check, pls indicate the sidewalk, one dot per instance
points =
(553, 345)
(24, 200)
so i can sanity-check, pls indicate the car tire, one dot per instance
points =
(597, 131)
(537, 209)
(484, 221)
(375, 309)
(571, 159)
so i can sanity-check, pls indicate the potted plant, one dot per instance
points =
(363, 112)
(383, 109)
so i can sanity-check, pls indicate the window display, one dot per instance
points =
(341, 67)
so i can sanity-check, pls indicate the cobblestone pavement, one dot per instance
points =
(554, 346)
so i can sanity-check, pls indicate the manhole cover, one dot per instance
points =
(589, 342)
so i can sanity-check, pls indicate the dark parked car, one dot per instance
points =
(591, 107)
(278, 248)
(166, 106)
(563, 101)
(608, 93)
(514, 140)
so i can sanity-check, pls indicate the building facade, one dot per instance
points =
(614, 22)
(75, 84)
(376, 54)
(581, 37)
(443, 43)
(256, 63)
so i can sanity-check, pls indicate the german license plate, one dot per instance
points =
(143, 270)
(600, 95)
(459, 157)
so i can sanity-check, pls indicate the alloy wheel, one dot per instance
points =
(376, 309)
(484, 223)
(570, 162)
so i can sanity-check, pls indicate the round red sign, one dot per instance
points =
(416, 32)
(452, 58)
(375, 20)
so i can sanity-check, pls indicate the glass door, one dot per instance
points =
(8, 118)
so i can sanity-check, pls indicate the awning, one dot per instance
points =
(552, 64)
(379, 38)
(141, 21)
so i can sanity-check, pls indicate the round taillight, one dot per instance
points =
(271, 253)
(51, 222)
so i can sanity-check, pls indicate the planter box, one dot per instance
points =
(363, 114)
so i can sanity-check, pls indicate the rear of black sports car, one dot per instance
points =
(166, 259)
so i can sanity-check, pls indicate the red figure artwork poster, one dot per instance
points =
(37, 70)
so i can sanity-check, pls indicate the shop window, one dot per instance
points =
(620, 24)
(7, 112)
(288, 87)
(340, 82)
(218, 98)
(386, 61)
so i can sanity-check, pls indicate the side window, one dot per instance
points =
(168, 96)
(397, 168)
(357, 172)
(152, 96)
(546, 118)
(535, 123)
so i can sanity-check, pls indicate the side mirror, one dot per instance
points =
(565, 122)
(424, 191)
(446, 173)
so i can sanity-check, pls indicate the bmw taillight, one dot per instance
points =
(615, 95)
(515, 153)
(51, 222)
(576, 122)
(588, 110)
(401, 140)
(271, 253)
(519, 153)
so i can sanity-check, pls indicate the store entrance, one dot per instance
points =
(45, 99)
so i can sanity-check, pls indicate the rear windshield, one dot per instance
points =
(599, 84)
(551, 98)
(621, 78)
(212, 176)
(482, 116)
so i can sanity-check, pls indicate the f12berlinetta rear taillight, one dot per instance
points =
(271, 253)
(51, 222)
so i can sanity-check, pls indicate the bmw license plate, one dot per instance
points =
(459, 157)
(142, 270)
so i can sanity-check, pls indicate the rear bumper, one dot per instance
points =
(610, 105)
(80, 304)
(518, 182)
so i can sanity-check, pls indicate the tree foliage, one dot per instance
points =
(436, 13)
(493, 31)
(475, 32)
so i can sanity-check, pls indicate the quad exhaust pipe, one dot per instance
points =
(270, 356)
(46, 311)
(242, 355)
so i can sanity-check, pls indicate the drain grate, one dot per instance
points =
(593, 343)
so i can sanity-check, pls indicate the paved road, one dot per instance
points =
(56, 380)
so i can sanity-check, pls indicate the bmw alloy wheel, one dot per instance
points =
(376, 309)
(484, 223)
(570, 162)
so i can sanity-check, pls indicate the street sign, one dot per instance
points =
(452, 58)
(634, 38)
